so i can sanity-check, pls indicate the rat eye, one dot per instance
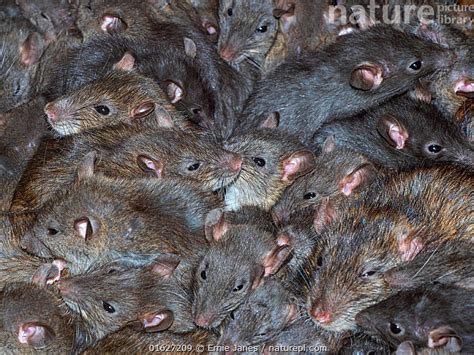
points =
(111, 271)
(435, 148)
(196, 111)
(17, 88)
(309, 196)
(416, 65)
(108, 307)
(230, 12)
(368, 273)
(232, 316)
(259, 161)
(103, 110)
(262, 29)
(52, 231)
(319, 262)
(238, 288)
(194, 167)
(203, 274)
(395, 329)
(261, 334)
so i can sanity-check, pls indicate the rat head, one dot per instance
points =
(34, 315)
(20, 53)
(116, 295)
(397, 68)
(406, 133)
(238, 260)
(337, 172)
(261, 317)
(120, 96)
(247, 31)
(271, 162)
(350, 262)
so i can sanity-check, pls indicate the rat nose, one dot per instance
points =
(235, 163)
(321, 315)
(51, 112)
(227, 53)
(67, 289)
(203, 321)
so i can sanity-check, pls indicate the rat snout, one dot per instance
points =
(68, 289)
(320, 314)
(233, 162)
(227, 53)
(203, 320)
(52, 112)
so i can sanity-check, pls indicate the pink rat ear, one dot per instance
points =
(329, 144)
(83, 227)
(148, 164)
(445, 338)
(292, 314)
(190, 47)
(366, 76)
(299, 163)
(175, 92)
(215, 225)
(165, 265)
(32, 49)
(47, 274)
(410, 242)
(158, 321)
(86, 168)
(276, 257)
(144, 109)
(126, 63)
(324, 215)
(393, 132)
(112, 24)
(272, 121)
(36, 335)
(359, 177)
(406, 348)
(465, 87)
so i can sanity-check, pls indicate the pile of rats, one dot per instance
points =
(236, 176)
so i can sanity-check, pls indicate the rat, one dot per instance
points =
(101, 219)
(448, 263)
(361, 344)
(350, 258)
(238, 260)
(271, 162)
(368, 75)
(337, 172)
(207, 11)
(247, 32)
(437, 317)
(398, 136)
(122, 95)
(262, 316)
(114, 296)
(128, 152)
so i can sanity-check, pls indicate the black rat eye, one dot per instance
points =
(259, 161)
(319, 262)
(52, 231)
(368, 273)
(108, 307)
(435, 148)
(103, 110)
(416, 65)
(230, 12)
(238, 288)
(203, 274)
(232, 316)
(262, 29)
(309, 196)
(395, 328)
(196, 111)
(194, 167)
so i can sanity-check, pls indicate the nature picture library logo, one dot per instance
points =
(374, 13)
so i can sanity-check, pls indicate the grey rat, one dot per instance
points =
(368, 73)
(394, 136)
(435, 317)
(262, 316)
(271, 161)
(239, 258)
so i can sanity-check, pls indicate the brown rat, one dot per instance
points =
(305, 93)
(271, 162)
(262, 316)
(438, 317)
(238, 260)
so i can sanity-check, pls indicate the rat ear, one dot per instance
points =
(446, 338)
(158, 321)
(292, 314)
(142, 110)
(392, 131)
(86, 168)
(287, 17)
(329, 144)
(126, 63)
(32, 49)
(359, 177)
(324, 215)
(406, 348)
(257, 276)
(163, 118)
(190, 47)
(276, 257)
(112, 24)
(165, 265)
(148, 164)
(299, 163)
(272, 121)
(421, 93)
(366, 76)
(215, 225)
(83, 227)
(410, 242)
(36, 334)
(465, 87)
(46, 274)
(175, 92)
